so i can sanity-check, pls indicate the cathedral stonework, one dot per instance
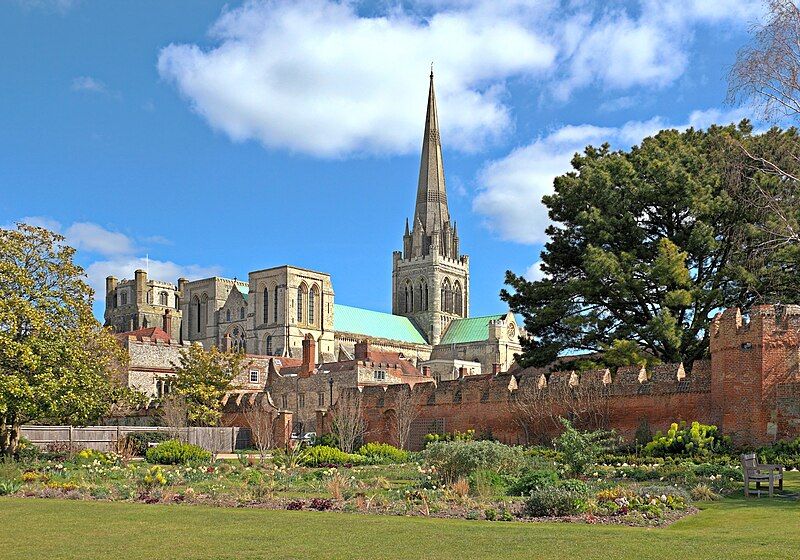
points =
(430, 278)
(278, 310)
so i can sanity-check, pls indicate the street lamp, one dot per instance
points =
(330, 384)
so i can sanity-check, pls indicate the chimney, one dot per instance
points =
(309, 356)
(362, 350)
(168, 323)
(426, 371)
(226, 343)
(111, 292)
(495, 368)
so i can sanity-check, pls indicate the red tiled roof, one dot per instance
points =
(153, 333)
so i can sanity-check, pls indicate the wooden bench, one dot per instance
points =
(758, 473)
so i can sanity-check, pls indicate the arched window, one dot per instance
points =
(268, 346)
(177, 302)
(458, 300)
(420, 300)
(203, 311)
(447, 296)
(275, 301)
(228, 315)
(312, 296)
(241, 313)
(164, 299)
(301, 295)
(266, 305)
(124, 298)
(407, 308)
(426, 297)
(194, 310)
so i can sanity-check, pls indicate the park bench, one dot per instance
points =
(758, 473)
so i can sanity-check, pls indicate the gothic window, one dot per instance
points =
(301, 400)
(407, 308)
(321, 398)
(124, 298)
(228, 315)
(149, 297)
(447, 296)
(203, 311)
(312, 295)
(285, 401)
(411, 295)
(268, 346)
(241, 313)
(420, 301)
(301, 295)
(194, 311)
(426, 297)
(275, 306)
(266, 305)
(457, 396)
(458, 300)
(164, 299)
(177, 302)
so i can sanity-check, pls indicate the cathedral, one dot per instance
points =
(275, 309)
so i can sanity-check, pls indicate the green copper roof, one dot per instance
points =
(375, 324)
(468, 330)
(244, 290)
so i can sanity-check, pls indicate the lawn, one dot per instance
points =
(36, 528)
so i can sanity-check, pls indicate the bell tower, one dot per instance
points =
(430, 277)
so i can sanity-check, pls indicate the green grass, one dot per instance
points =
(54, 529)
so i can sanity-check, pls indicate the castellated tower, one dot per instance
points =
(430, 278)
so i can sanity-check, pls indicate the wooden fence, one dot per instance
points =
(103, 438)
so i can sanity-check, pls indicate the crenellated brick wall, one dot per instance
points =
(750, 388)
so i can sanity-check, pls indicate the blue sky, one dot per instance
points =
(219, 138)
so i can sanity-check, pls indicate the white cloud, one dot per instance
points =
(535, 272)
(322, 77)
(93, 238)
(315, 76)
(87, 83)
(511, 188)
(116, 254)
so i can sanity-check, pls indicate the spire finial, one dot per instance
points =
(431, 69)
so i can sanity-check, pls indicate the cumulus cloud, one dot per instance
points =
(314, 76)
(87, 83)
(111, 253)
(330, 79)
(510, 189)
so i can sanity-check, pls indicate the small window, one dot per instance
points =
(485, 396)
(164, 299)
(268, 346)
(747, 346)
(301, 400)
(253, 376)
(241, 313)
(124, 298)
(379, 375)
(457, 396)
(321, 398)
(228, 315)
(284, 401)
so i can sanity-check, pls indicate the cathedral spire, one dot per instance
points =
(431, 208)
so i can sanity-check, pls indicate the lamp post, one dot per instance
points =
(330, 384)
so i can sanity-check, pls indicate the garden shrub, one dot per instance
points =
(531, 479)
(579, 448)
(322, 455)
(27, 451)
(469, 435)
(486, 483)
(558, 500)
(786, 453)
(458, 459)
(383, 453)
(141, 440)
(9, 487)
(174, 452)
(682, 440)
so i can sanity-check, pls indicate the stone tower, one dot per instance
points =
(430, 278)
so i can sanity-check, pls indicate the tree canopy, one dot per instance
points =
(56, 362)
(202, 378)
(647, 244)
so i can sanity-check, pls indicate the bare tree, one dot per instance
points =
(261, 422)
(767, 71)
(406, 410)
(174, 414)
(767, 75)
(347, 419)
(538, 405)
